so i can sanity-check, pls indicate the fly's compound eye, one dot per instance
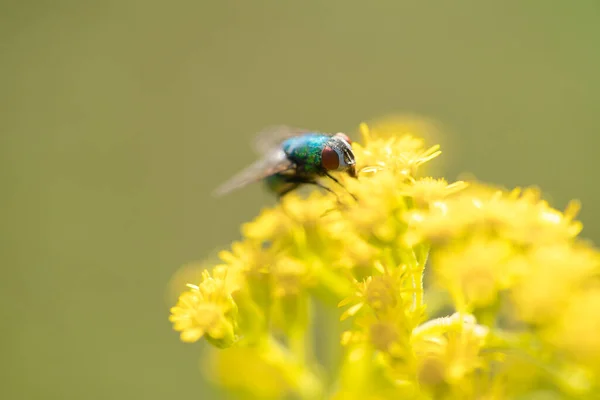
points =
(344, 137)
(330, 160)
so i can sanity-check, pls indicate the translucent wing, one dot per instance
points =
(270, 164)
(271, 137)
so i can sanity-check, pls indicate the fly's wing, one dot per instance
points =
(269, 165)
(271, 137)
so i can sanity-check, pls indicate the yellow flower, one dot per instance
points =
(387, 316)
(428, 190)
(549, 276)
(308, 212)
(378, 215)
(357, 255)
(402, 155)
(207, 310)
(448, 349)
(519, 216)
(314, 221)
(269, 224)
(388, 333)
(291, 277)
(474, 271)
(248, 256)
(575, 332)
(533, 221)
(446, 219)
(380, 292)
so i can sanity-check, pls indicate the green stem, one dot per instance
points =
(338, 285)
(305, 382)
(422, 257)
(416, 269)
(300, 335)
(569, 377)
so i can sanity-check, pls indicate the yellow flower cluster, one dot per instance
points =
(417, 288)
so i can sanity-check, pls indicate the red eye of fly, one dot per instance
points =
(344, 136)
(330, 159)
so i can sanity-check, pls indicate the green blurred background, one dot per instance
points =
(118, 118)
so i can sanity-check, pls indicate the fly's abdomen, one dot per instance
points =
(279, 184)
(305, 151)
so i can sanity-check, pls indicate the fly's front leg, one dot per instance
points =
(333, 178)
(294, 182)
(299, 180)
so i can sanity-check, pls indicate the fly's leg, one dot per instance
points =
(296, 181)
(337, 198)
(299, 180)
(339, 183)
(325, 188)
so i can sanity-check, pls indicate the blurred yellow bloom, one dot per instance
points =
(291, 277)
(426, 191)
(576, 330)
(377, 215)
(474, 271)
(268, 224)
(387, 333)
(549, 276)
(245, 370)
(295, 208)
(357, 255)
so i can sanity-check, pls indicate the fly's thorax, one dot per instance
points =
(305, 151)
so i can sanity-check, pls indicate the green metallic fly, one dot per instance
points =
(294, 157)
